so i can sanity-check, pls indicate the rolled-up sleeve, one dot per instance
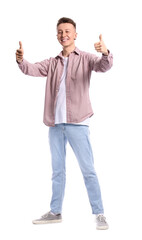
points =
(101, 64)
(39, 69)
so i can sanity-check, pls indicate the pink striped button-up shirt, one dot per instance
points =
(80, 66)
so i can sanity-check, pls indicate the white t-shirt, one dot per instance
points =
(60, 112)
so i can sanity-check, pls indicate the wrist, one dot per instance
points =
(106, 53)
(19, 61)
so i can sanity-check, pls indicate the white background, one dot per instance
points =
(116, 127)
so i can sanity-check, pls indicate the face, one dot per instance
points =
(66, 34)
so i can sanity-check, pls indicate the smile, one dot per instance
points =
(64, 39)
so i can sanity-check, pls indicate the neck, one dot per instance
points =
(68, 50)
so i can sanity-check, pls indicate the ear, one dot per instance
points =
(75, 37)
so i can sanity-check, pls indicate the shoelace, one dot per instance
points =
(101, 218)
(45, 215)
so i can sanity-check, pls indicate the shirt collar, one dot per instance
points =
(76, 50)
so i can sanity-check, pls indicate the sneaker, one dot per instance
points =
(48, 218)
(101, 223)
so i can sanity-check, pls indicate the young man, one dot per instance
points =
(67, 112)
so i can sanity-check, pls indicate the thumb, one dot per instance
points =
(20, 44)
(100, 37)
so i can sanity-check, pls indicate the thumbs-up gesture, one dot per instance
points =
(100, 46)
(19, 53)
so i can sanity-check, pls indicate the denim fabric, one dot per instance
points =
(78, 138)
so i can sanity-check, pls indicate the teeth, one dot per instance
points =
(64, 40)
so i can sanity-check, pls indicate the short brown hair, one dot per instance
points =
(66, 20)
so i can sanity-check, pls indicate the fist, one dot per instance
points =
(19, 53)
(100, 46)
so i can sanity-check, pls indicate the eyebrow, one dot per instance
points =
(61, 29)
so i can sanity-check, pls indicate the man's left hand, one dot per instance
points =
(100, 46)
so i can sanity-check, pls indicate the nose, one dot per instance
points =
(63, 34)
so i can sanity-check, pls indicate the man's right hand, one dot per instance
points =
(19, 53)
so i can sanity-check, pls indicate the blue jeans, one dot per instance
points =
(78, 138)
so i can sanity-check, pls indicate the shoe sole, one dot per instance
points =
(46, 222)
(102, 228)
